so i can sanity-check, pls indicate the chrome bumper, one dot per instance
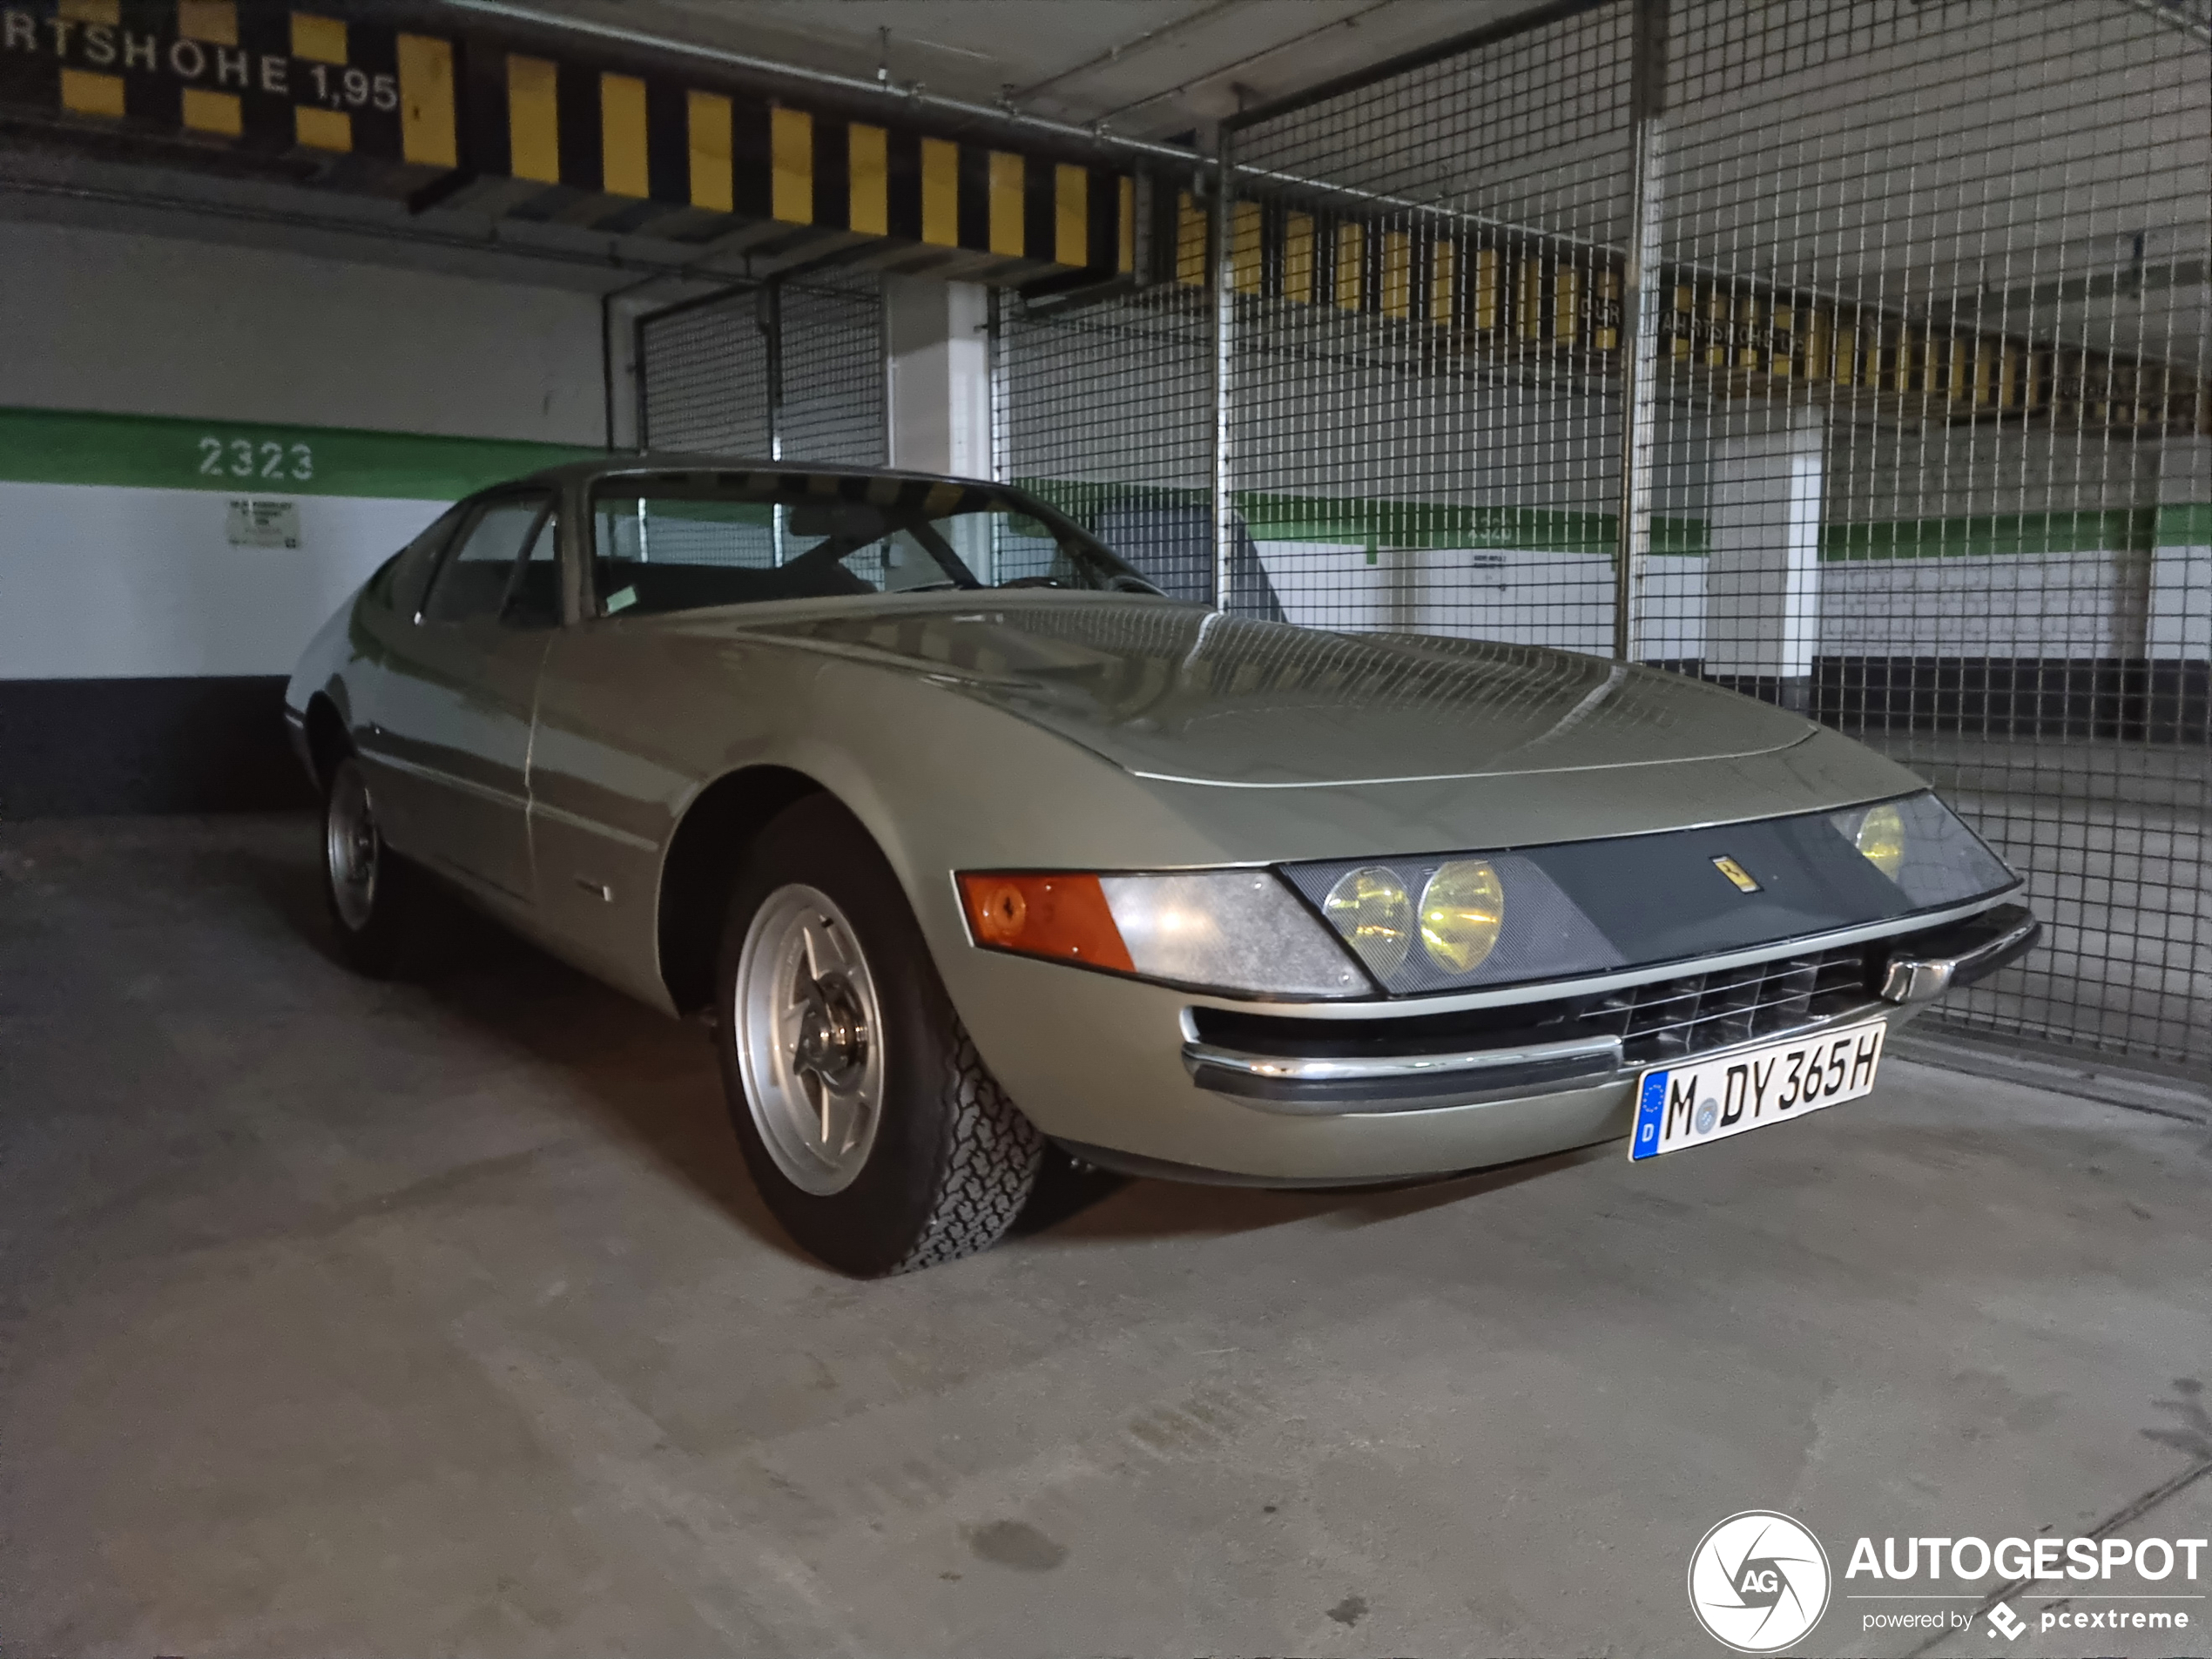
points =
(1341, 1083)
(1295, 1083)
(1973, 950)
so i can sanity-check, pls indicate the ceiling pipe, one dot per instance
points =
(1216, 73)
(909, 96)
(1126, 48)
(1185, 159)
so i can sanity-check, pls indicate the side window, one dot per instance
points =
(473, 583)
(410, 573)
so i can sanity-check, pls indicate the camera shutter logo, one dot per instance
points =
(1759, 1581)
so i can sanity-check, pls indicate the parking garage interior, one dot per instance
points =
(1848, 354)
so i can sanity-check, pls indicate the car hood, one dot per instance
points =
(1182, 694)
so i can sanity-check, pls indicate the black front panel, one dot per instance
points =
(1580, 908)
(1661, 897)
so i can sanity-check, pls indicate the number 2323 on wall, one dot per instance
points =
(245, 458)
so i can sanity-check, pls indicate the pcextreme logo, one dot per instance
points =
(1759, 1581)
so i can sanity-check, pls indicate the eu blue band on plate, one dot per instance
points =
(1650, 1110)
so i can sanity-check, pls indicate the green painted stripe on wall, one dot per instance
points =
(1371, 523)
(1981, 536)
(1374, 523)
(1437, 525)
(159, 452)
(2185, 524)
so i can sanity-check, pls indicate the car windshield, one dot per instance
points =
(681, 540)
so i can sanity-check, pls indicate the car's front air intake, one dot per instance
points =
(1699, 1012)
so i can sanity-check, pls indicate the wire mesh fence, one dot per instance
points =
(1937, 295)
(1106, 407)
(833, 391)
(782, 370)
(704, 377)
(1925, 307)
(1426, 437)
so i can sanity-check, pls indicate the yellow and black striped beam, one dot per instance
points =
(473, 119)
(1524, 298)
(554, 139)
(382, 107)
(377, 102)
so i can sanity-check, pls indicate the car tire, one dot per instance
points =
(368, 889)
(873, 1128)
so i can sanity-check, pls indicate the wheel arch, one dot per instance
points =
(326, 738)
(701, 866)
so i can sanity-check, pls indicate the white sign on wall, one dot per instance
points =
(263, 523)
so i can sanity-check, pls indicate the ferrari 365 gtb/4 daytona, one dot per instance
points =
(968, 839)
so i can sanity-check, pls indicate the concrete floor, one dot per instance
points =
(343, 1319)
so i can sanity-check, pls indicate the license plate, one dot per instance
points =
(1709, 1099)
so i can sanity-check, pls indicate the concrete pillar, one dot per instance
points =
(2180, 624)
(1763, 575)
(2177, 630)
(618, 322)
(939, 371)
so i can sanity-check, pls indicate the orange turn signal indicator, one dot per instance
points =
(1061, 915)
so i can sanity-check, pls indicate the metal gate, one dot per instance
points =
(1898, 312)
(789, 370)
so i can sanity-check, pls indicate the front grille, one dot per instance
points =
(1659, 1022)
(1701, 1012)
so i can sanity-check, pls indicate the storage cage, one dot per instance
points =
(1896, 311)
(775, 370)
(1899, 310)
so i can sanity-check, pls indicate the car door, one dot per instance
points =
(455, 708)
(608, 773)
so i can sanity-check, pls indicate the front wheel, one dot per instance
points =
(369, 890)
(871, 1125)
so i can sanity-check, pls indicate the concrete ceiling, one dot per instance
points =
(1144, 68)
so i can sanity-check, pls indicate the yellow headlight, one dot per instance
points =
(1881, 838)
(1371, 909)
(1462, 908)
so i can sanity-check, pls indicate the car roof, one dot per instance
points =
(623, 463)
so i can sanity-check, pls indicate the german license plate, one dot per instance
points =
(1711, 1098)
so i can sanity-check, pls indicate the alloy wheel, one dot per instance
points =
(809, 1034)
(352, 847)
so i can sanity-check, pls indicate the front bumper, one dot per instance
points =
(1083, 1054)
(1300, 1066)
(1973, 950)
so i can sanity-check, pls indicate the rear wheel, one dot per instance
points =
(871, 1125)
(368, 889)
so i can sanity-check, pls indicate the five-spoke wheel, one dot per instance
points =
(872, 1127)
(368, 888)
(351, 846)
(809, 1039)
